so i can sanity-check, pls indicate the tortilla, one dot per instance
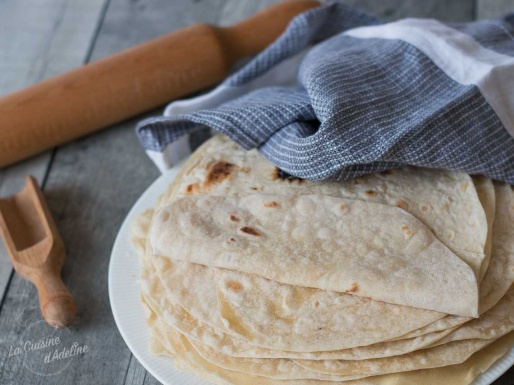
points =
(385, 349)
(462, 374)
(449, 353)
(222, 168)
(215, 315)
(442, 200)
(333, 244)
(179, 284)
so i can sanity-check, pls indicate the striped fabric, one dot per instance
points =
(340, 95)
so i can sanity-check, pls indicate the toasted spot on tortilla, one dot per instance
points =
(353, 288)
(250, 231)
(234, 286)
(192, 188)
(402, 204)
(424, 208)
(233, 218)
(271, 204)
(408, 232)
(370, 193)
(282, 175)
(387, 172)
(218, 172)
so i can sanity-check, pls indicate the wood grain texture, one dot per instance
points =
(137, 375)
(455, 10)
(487, 9)
(39, 39)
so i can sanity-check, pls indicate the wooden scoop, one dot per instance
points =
(37, 251)
(133, 81)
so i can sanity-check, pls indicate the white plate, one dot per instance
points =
(124, 271)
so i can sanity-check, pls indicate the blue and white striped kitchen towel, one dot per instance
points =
(340, 94)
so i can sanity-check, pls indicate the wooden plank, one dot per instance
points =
(233, 11)
(38, 39)
(128, 23)
(137, 375)
(487, 9)
(455, 10)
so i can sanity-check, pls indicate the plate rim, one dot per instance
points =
(152, 363)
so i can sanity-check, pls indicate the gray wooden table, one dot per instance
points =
(92, 183)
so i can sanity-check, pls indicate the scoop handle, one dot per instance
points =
(57, 305)
(133, 81)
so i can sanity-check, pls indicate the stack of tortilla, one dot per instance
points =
(252, 276)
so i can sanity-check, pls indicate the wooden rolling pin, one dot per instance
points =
(133, 81)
